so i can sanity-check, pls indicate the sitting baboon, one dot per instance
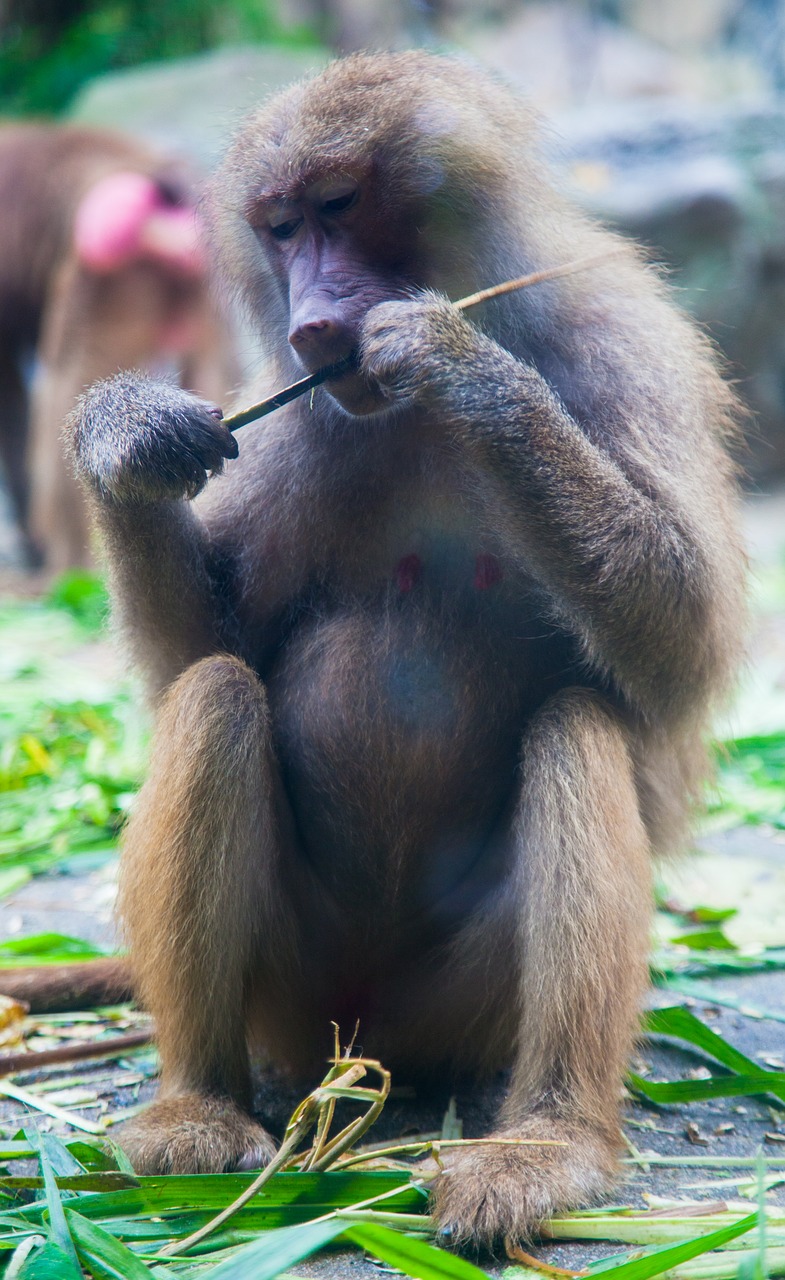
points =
(434, 656)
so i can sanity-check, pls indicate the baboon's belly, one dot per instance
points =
(399, 738)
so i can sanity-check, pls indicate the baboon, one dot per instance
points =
(100, 270)
(434, 657)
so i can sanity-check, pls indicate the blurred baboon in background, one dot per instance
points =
(101, 268)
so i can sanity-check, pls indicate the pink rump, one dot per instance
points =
(124, 219)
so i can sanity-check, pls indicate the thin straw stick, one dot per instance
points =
(340, 367)
(536, 277)
(290, 393)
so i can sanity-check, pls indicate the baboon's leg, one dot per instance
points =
(581, 902)
(205, 914)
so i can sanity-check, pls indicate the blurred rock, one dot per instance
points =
(677, 24)
(565, 53)
(558, 54)
(704, 188)
(192, 106)
(671, 129)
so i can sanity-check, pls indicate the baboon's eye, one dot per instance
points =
(285, 228)
(340, 197)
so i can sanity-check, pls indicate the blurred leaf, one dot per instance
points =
(708, 939)
(72, 741)
(751, 780)
(707, 915)
(717, 962)
(13, 878)
(47, 948)
(746, 893)
(708, 993)
(82, 594)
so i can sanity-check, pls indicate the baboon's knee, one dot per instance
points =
(217, 703)
(577, 731)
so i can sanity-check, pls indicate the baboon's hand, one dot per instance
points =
(137, 440)
(417, 349)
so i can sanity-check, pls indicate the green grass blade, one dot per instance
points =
(698, 989)
(117, 1154)
(655, 1261)
(670, 1091)
(98, 1156)
(288, 1197)
(104, 1182)
(57, 1222)
(47, 1263)
(267, 1257)
(64, 1163)
(413, 1257)
(730, 1264)
(681, 1023)
(101, 1254)
(754, 1268)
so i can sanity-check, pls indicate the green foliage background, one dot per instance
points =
(48, 50)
